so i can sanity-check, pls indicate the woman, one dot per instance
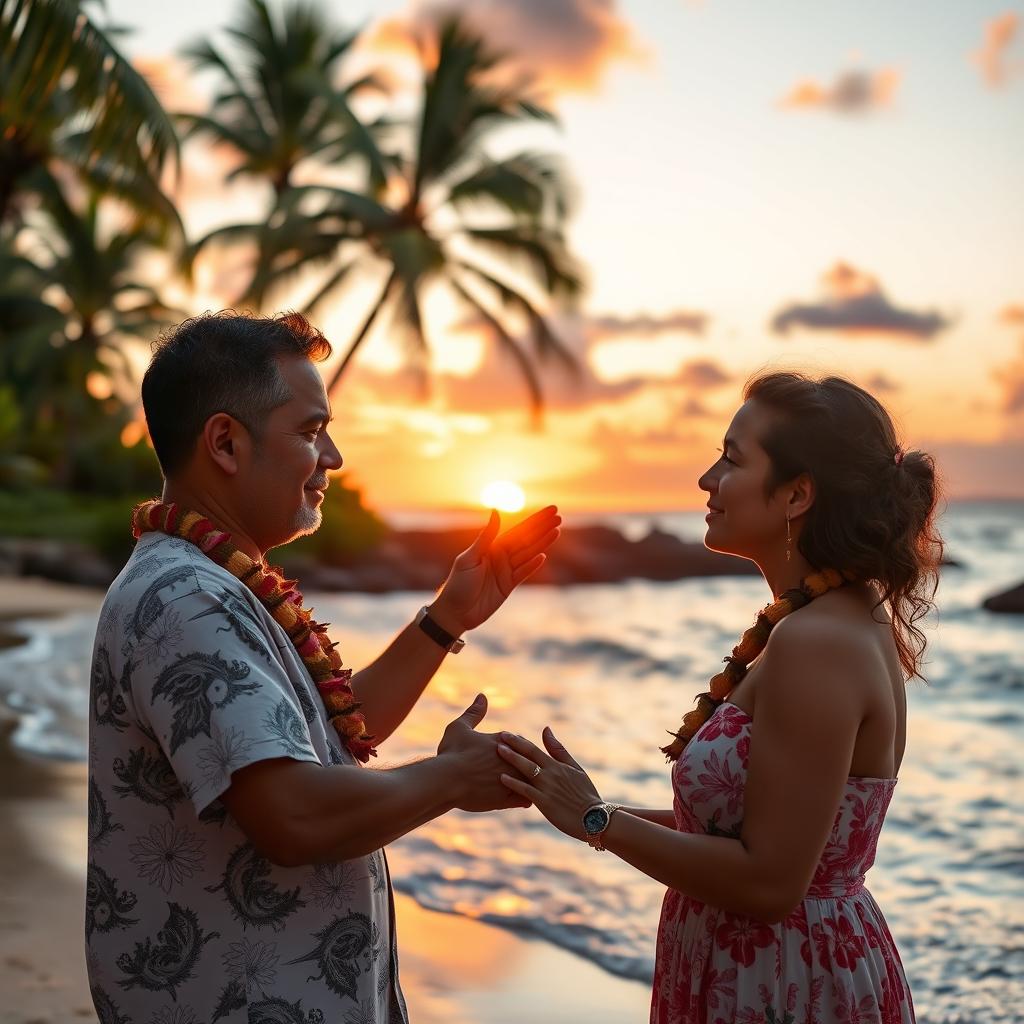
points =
(784, 770)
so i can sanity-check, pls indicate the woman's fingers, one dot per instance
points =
(523, 765)
(529, 750)
(557, 751)
(517, 785)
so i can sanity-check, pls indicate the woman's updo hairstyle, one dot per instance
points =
(874, 511)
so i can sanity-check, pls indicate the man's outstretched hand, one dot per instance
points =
(492, 567)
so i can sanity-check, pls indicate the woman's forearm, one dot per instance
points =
(713, 869)
(657, 815)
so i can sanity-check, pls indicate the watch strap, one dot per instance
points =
(438, 633)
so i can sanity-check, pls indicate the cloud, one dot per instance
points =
(853, 92)
(1011, 383)
(703, 374)
(694, 408)
(1012, 315)
(496, 388)
(992, 59)
(879, 384)
(564, 45)
(600, 327)
(854, 303)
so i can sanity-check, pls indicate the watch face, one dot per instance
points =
(595, 820)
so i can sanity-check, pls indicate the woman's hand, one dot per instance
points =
(561, 790)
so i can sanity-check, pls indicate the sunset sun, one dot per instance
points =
(504, 496)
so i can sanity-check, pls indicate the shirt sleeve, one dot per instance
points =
(215, 693)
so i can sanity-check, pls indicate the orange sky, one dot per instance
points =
(755, 189)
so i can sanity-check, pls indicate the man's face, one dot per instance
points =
(285, 476)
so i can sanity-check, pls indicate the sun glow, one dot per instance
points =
(504, 496)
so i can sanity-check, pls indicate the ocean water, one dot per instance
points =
(610, 668)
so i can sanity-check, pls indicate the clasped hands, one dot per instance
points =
(499, 770)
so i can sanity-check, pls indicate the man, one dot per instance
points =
(236, 869)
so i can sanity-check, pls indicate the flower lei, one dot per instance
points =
(751, 644)
(284, 602)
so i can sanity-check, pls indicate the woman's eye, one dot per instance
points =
(725, 458)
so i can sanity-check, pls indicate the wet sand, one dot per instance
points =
(454, 970)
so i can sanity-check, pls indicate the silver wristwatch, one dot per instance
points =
(596, 819)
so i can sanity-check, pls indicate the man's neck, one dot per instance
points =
(207, 505)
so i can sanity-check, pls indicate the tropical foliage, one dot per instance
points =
(69, 100)
(83, 144)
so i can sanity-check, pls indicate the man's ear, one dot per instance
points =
(223, 439)
(802, 495)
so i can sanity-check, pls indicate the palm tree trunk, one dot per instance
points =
(363, 332)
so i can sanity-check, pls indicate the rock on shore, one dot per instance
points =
(420, 559)
(1011, 600)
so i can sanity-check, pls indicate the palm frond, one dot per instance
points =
(49, 47)
(508, 345)
(540, 253)
(527, 184)
(546, 341)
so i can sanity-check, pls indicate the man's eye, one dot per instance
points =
(725, 458)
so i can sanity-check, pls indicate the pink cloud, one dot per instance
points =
(853, 92)
(992, 58)
(854, 303)
(563, 45)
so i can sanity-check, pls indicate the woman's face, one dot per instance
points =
(742, 520)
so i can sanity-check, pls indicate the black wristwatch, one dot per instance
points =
(440, 636)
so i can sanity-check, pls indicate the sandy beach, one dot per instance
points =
(454, 969)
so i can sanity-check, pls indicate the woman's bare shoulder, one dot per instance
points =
(825, 646)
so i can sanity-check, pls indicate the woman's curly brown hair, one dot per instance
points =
(875, 505)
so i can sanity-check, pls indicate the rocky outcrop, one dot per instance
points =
(1011, 601)
(420, 560)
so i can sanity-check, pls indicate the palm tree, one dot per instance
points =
(281, 103)
(67, 96)
(490, 229)
(85, 303)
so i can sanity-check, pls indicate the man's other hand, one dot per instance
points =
(475, 764)
(484, 575)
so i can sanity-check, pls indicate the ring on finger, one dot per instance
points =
(536, 771)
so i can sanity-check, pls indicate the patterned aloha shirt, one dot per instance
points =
(186, 923)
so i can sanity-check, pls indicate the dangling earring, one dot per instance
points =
(789, 540)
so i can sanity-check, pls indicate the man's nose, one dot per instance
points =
(330, 456)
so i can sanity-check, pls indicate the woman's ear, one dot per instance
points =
(802, 494)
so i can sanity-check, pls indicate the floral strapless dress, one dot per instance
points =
(832, 959)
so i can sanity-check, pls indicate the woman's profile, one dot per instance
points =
(784, 769)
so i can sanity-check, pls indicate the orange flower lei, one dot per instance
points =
(284, 603)
(751, 644)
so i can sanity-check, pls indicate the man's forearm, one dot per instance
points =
(348, 812)
(388, 688)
